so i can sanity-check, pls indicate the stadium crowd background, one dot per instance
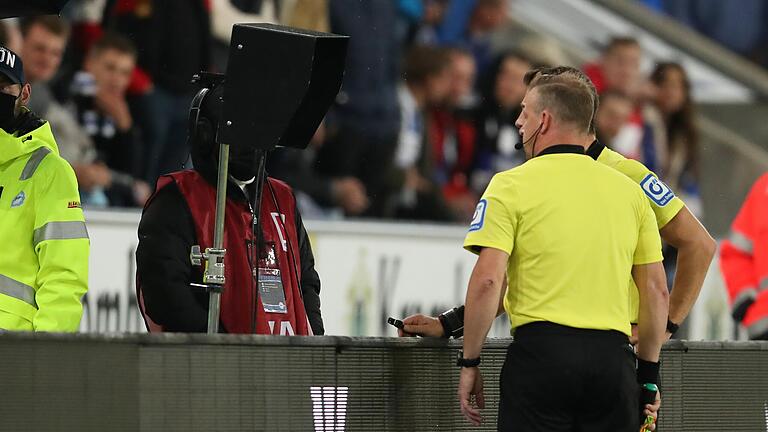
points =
(424, 119)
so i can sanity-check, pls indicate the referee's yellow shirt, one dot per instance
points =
(574, 229)
(664, 203)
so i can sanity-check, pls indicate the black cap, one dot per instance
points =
(11, 65)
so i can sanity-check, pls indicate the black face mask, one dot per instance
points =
(7, 111)
(242, 163)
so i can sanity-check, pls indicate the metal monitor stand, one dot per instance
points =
(214, 260)
(214, 275)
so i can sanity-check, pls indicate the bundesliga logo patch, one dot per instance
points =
(73, 205)
(18, 200)
(656, 190)
(479, 217)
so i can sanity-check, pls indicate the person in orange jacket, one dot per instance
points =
(744, 262)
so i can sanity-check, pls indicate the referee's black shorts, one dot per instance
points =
(559, 378)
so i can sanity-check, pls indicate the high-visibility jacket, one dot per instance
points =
(744, 261)
(44, 257)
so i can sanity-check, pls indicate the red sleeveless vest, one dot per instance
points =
(240, 299)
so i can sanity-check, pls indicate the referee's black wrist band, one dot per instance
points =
(648, 372)
(672, 327)
(453, 322)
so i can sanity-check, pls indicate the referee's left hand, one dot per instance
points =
(471, 384)
(653, 410)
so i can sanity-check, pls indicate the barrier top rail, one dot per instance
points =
(322, 341)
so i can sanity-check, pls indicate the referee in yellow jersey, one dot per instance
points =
(564, 232)
(678, 227)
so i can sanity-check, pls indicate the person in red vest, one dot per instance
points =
(180, 215)
(744, 262)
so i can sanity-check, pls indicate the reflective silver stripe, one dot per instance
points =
(763, 284)
(757, 328)
(34, 162)
(60, 231)
(741, 242)
(747, 294)
(17, 290)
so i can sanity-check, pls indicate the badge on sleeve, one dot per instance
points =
(18, 200)
(479, 217)
(656, 190)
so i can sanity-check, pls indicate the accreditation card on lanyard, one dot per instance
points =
(271, 283)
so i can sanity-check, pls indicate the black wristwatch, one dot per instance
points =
(464, 362)
(672, 327)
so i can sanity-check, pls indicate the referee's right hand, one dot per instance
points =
(421, 325)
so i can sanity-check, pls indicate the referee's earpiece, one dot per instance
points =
(533, 138)
(520, 145)
(538, 131)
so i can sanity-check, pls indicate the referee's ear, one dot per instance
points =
(546, 121)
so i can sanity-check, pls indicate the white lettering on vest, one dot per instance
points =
(286, 329)
(280, 229)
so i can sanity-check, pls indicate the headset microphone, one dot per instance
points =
(520, 145)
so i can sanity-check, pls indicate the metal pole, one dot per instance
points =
(218, 237)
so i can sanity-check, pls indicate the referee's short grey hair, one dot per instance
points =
(566, 75)
(568, 102)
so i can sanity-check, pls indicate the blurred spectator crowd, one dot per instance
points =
(425, 117)
(736, 25)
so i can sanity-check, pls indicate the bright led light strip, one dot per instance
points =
(329, 408)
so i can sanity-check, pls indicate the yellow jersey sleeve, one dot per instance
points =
(648, 249)
(664, 203)
(494, 222)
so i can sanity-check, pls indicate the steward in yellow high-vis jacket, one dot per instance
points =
(44, 241)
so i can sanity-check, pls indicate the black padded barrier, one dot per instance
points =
(177, 382)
